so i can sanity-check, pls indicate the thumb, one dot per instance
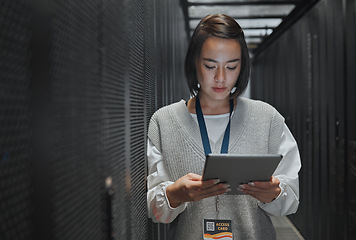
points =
(194, 177)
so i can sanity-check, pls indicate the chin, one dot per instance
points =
(221, 96)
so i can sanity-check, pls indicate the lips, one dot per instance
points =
(219, 90)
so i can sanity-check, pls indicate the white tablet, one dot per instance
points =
(237, 169)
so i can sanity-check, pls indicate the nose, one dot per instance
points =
(220, 75)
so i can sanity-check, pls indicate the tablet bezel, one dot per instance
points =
(236, 169)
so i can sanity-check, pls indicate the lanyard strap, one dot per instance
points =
(204, 132)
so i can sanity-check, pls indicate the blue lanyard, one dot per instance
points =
(204, 132)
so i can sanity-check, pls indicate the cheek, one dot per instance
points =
(200, 74)
(233, 79)
(206, 75)
(237, 73)
(234, 75)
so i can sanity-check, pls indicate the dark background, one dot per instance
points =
(79, 81)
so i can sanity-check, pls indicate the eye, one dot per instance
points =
(231, 68)
(208, 67)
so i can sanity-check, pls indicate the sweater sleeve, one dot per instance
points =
(154, 134)
(158, 205)
(287, 173)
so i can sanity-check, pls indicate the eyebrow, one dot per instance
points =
(214, 61)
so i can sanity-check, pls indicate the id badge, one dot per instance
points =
(217, 229)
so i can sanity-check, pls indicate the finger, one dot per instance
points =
(202, 185)
(261, 184)
(252, 188)
(275, 180)
(191, 181)
(209, 183)
(194, 176)
(253, 192)
(261, 194)
(216, 190)
(258, 193)
(256, 190)
(266, 184)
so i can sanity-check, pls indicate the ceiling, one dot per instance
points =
(261, 20)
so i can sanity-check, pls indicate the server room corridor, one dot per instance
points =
(80, 80)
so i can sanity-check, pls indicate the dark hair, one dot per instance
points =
(222, 26)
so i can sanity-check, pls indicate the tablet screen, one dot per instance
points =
(236, 169)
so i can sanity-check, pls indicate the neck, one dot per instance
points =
(214, 106)
(210, 107)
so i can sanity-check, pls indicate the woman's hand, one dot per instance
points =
(191, 188)
(265, 192)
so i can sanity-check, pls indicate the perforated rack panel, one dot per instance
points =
(137, 203)
(75, 113)
(312, 85)
(115, 91)
(165, 47)
(15, 122)
(79, 83)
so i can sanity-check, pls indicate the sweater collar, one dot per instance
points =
(191, 128)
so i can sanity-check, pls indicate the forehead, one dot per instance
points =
(219, 47)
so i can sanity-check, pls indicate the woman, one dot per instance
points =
(217, 68)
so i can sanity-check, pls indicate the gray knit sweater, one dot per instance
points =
(256, 127)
